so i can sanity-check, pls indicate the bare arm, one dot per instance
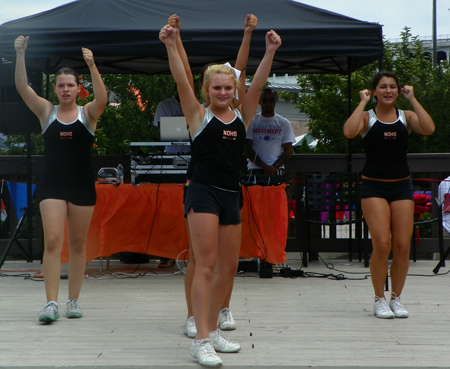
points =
(174, 22)
(38, 105)
(242, 58)
(95, 108)
(356, 124)
(419, 121)
(285, 155)
(248, 107)
(192, 110)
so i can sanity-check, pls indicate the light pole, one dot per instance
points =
(435, 61)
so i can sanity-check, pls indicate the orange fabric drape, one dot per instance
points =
(265, 223)
(149, 219)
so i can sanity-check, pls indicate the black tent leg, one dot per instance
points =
(14, 238)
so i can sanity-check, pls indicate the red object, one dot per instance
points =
(138, 95)
(422, 205)
(83, 93)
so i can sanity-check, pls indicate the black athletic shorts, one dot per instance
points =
(241, 197)
(77, 194)
(208, 199)
(390, 191)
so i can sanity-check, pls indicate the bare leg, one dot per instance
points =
(53, 213)
(79, 219)
(227, 263)
(204, 230)
(226, 303)
(378, 217)
(189, 276)
(402, 227)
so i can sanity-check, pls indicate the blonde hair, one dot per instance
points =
(210, 72)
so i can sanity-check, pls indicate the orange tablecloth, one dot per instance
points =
(148, 219)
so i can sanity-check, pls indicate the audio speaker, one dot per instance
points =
(17, 118)
(8, 92)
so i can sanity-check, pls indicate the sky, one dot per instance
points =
(393, 15)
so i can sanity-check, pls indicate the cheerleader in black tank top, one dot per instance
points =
(226, 320)
(68, 171)
(387, 192)
(212, 201)
(67, 192)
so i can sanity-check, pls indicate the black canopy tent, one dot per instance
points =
(123, 35)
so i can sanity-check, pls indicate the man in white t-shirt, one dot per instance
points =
(269, 138)
(171, 107)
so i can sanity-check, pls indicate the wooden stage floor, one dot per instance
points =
(322, 321)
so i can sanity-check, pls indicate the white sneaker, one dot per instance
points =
(397, 307)
(381, 309)
(222, 343)
(204, 352)
(226, 321)
(49, 313)
(189, 328)
(73, 309)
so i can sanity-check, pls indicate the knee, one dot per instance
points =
(382, 248)
(77, 247)
(401, 249)
(53, 243)
(206, 270)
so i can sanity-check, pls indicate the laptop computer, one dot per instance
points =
(173, 129)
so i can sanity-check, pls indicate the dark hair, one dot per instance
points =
(269, 90)
(378, 76)
(70, 71)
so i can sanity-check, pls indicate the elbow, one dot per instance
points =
(348, 133)
(21, 87)
(430, 132)
(104, 103)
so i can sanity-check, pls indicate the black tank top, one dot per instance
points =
(218, 151)
(67, 152)
(386, 148)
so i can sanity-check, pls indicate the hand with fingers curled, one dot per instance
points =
(364, 95)
(408, 92)
(88, 56)
(21, 43)
(174, 21)
(167, 34)
(250, 22)
(273, 40)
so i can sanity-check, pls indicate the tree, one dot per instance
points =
(304, 147)
(324, 98)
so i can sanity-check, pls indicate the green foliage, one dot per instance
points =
(304, 148)
(16, 144)
(324, 98)
(320, 148)
(130, 118)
